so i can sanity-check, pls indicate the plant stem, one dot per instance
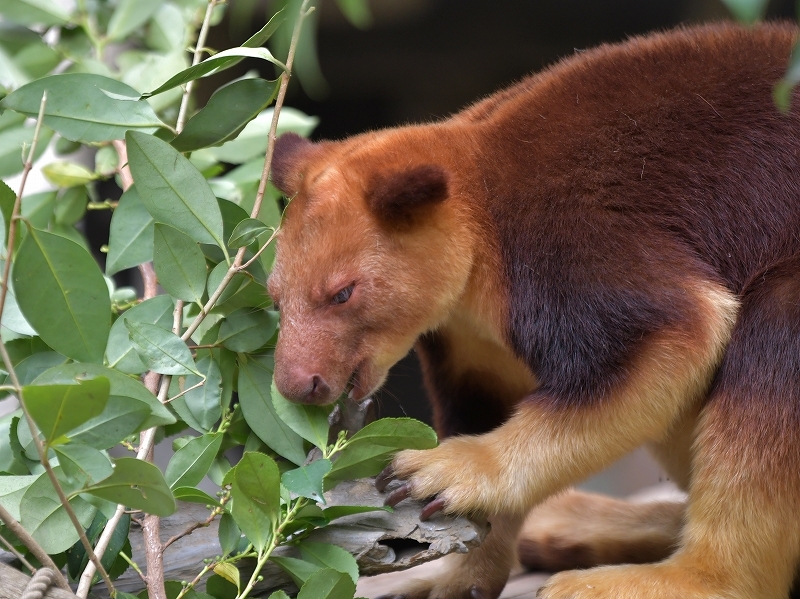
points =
(133, 565)
(33, 547)
(262, 186)
(12, 226)
(17, 554)
(198, 55)
(12, 237)
(273, 544)
(209, 566)
(100, 548)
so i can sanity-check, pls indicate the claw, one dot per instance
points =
(429, 510)
(397, 496)
(384, 478)
(476, 593)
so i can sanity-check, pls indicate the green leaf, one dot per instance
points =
(193, 495)
(256, 497)
(122, 417)
(35, 12)
(85, 107)
(58, 409)
(13, 319)
(42, 515)
(62, 293)
(77, 558)
(330, 556)
(246, 232)
(83, 464)
(328, 584)
(129, 15)
(191, 463)
(220, 588)
(12, 489)
(396, 433)
(123, 390)
(160, 349)
(229, 534)
(7, 199)
(357, 12)
(179, 264)
(300, 570)
(214, 64)
(130, 240)
(227, 112)
(31, 367)
(229, 572)
(13, 140)
(120, 353)
(173, 190)
(262, 35)
(279, 595)
(202, 407)
(252, 141)
(106, 161)
(38, 208)
(747, 11)
(307, 481)
(256, 402)
(310, 422)
(215, 278)
(67, 174)
(247, 329)
(71, 206)
(137, 484)
(359, 461)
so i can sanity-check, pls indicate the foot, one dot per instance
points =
(651, 581)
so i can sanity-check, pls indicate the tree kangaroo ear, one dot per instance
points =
(289, 160)
(398, 197)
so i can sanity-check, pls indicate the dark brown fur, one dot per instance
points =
(604, 255)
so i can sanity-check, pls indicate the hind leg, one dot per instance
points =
(583, 530)
(742, 537)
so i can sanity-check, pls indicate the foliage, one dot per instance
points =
(101, 371)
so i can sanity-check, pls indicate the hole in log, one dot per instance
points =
(405, 548)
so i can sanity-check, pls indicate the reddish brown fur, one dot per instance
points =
(570, 256)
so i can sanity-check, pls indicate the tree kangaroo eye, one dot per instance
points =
(343, 295)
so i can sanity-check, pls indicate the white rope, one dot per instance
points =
(39, 584)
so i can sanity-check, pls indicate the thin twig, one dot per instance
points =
(133, 565)
(193, 527)
(182, 393)
(12, 226)
(17, 554)
(262, 186)
(100, 548)
(123, 169)
(34, 547)
(14, 526)
(198, 55)
(206, 569)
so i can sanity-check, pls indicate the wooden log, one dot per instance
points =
(380, 541)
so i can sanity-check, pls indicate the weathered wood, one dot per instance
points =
(380, 541)
(13, 583)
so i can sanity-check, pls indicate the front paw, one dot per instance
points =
(463, 475)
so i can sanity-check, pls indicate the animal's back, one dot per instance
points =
(675, 133)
